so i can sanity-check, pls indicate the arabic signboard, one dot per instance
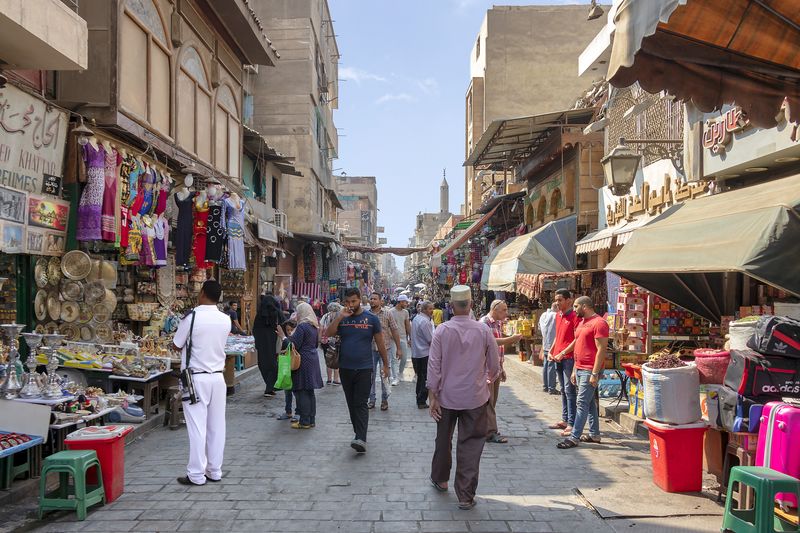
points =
(32, 139)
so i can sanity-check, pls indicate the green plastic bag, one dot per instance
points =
(284, 381)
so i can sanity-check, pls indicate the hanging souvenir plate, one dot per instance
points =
(85, 314)
(104, 333)
(110, 300)
(40, 329)
(70, 311)
(51, 328)
(94, 292)
(72, 290)
(94, 272)
(100, 313)
(54, 271)
(40, 305)
(76, 264)
(108, 274)
(87, 333)
(70, 331)
(40, 273)
(53, 306)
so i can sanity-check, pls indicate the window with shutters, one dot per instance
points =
(194, 105)
(228, 132)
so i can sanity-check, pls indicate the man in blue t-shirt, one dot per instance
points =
(356, 330)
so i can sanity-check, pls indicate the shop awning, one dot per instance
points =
(469, 232)
(622, 234)
(684, 253)
(550, 248)
(382, 250)
(712, 53)
(596, 240)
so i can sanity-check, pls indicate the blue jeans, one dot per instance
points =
(563, 372)
(587, 406)
(377, 362)
(288, 397)
(548, 373)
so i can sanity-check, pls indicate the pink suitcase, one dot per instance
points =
(779, 443)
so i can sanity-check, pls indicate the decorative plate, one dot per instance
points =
(110, 300)
(100, 312)
(40, 329)
(72, 290)
(40, 305)
(87, 333)
(70, 331)
(104, 333)
(54, 271)
(53, 306)
(85, 315)
(40, 273)
(94, 292)
(51, 328)
(108, 274)
(70, 311)
(76, 264)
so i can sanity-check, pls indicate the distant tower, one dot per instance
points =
(444, 195)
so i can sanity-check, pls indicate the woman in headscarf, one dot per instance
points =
(330, 342)
(307, 378)
(268, 318)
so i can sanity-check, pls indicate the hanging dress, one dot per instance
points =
(148, 253)
(108, 220)
(131, 255)
(234, 220)
(91, 202)
(148, 184)
(215, 232)
(183, 233)
(200, 233)
(161, 229)
(128, 167)
(163, 193)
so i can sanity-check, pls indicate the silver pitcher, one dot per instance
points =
(32, 387)
(51, 344)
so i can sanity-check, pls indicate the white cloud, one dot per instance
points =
(395, 97)
(428, 86)
(358, 75)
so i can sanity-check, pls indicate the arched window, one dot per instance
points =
(555, 202)
(144, 64)
(541, 209)
(529, 214)
(194, 105)
(228, 132)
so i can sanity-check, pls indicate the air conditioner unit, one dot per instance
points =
(279, 219)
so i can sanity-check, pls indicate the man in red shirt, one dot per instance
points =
(561, 354)
(589, 348)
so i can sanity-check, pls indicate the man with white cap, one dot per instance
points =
(459, 395)
(401, 318)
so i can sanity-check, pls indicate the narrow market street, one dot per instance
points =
(279, 479)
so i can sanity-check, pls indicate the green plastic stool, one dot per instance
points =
(761, 518)
(76, 463)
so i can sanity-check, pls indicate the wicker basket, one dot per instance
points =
(141, 312)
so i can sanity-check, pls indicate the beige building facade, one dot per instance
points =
(357, 221)
(524, 62)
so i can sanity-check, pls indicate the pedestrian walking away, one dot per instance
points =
(201, 336)
(459, 395)
(403, 321)
(566, 322)
(268, 318)
(547, 327)
(391, 336)
(495, 319)
(329, 343)
(590, 346)
(357, 329)
(307, 378)
(421, 338)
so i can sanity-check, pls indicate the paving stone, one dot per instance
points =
(487, 526)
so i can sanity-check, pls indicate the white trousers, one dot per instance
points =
(399, 365)
(205, 421)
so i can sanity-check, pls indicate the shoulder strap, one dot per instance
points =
(189, 341)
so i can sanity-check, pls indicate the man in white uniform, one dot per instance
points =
(205, 420)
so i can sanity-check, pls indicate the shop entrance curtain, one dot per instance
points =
(550, 248)
(683, 254)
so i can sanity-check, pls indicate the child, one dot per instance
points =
(288, 328)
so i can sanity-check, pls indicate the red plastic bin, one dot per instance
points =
(676, 451)
(109, 443)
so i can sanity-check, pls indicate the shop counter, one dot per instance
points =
(149, 387)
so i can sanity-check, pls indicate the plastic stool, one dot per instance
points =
(239, 363)
(760, 518)
(75, 463)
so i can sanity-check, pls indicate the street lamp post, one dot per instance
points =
(621, 164)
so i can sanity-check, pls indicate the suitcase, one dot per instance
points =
(779, 443)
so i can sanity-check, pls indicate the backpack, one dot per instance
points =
(776, 335)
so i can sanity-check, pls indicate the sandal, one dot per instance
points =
(589, 438)
(566, 444)
(466, 506)
(437, 486)
(496, 438)
(560, 425)
(567, 432)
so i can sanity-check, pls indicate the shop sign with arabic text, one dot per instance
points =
(32, 139)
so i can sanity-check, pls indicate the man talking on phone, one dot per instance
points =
(356, 329)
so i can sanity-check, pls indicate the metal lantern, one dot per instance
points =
(620, 167)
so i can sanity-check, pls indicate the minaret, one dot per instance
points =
(444, 196)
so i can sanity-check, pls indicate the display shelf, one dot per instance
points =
(680, 337)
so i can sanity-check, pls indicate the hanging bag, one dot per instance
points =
(776, 335)
(332, 354)
(187, 379)
(284, 381)
(294, 357)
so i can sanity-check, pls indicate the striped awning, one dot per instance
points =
(594, 241)
(623, 234)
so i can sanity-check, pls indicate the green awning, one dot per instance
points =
(684, 254)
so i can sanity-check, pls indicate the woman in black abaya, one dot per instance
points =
(268, 317)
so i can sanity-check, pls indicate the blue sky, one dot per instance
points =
(403, 76)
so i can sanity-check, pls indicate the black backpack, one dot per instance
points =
(776, 335)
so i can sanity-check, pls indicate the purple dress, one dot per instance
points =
(308, 376)
(91, 202)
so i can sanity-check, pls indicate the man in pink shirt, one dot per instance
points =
(463, 355)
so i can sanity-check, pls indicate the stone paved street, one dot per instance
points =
(279, 479)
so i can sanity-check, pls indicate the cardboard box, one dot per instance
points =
(250, 359)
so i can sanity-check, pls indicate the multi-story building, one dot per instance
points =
(524, 62)
(427, 226)
(293, 106)
(357, 221)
